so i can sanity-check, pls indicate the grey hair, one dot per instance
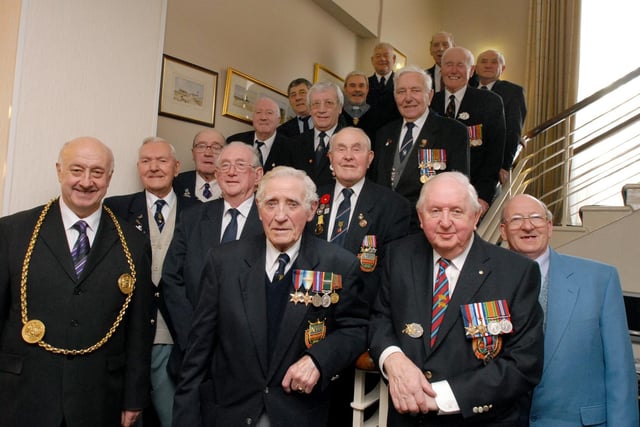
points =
(460, 178)
(310, 196)
(359, 131)
(255, 159)
(151, 139)
(325, 87)
(413, 69)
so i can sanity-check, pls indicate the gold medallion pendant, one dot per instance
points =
(126, 283)
(33, 331)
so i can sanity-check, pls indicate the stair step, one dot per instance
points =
(631, 195)
(596, 216)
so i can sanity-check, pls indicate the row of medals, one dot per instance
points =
(494, 327)
(317, 300)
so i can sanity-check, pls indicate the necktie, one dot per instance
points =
(440, 298)
(305, 123)
(80, 250)
(320, 149)
(158, 215)
(207, 191)
(382, 82)
(231, 231)
(451, 108)
(283, 260)
(407, 141)
(341, 224)
(483, 87)
(543, 299)
(260, 144)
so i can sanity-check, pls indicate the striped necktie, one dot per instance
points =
(440, 298)
(80, 251)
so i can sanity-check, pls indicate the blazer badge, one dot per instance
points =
(367, 255)
(316, 332)
(484, 324)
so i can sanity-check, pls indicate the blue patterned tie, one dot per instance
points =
(440, 298)
(80, 251)
(283, 260)
(230, 233)
(407, 141)
(207, 191)
(341, 224)
(158, 215)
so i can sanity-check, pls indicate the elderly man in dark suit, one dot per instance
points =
(154, 212)
(75, 336)
(411, 150)
(278, 318)
(362, 217)
(308, 152)
(439, 42)
(489, 68)
(380, 95)
(206, 226)
(456, 328)
(297, 93)
(271, 145)
(200, 184)
(483, 114)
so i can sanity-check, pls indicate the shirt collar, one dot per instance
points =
(457, 262)
(244, 207)
(170, 199)
(69, 218)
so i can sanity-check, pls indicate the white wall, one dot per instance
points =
(82, 68)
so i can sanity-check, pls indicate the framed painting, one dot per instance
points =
(401, 59)
(323, 74)
(241, 92)
(187, 92)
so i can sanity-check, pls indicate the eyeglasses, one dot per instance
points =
(201, 147)
(239, 166)
(536, 220)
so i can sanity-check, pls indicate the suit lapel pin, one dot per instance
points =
(423, 143)
(362, 222)
(414, 330)
(388, 143)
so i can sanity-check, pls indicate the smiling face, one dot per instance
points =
(448, 218)
(356, 88)
(84, 169)
(489, 66)
(283, 211)
(236, 173)
(411, 95)
(350, 155)
(526, 236)
(266, 117)
(157, 167)
(383, 60)
(325, 108)
(457, 68)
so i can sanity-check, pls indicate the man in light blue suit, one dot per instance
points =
(589, 376)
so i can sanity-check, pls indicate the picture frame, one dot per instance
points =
(401, 60)
(187, 92)
(323, 74)
(241, 92)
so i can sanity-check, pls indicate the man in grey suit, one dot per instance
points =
(589, 376)
(206, 226)
(279, 316)
(75, 336)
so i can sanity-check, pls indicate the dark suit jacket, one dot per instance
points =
(489, 273)
(290, 128)
(184, 185)
(38, 387)
(279, 153)
(198, 230)
(379, 212)
(382, 100)
(133, 209)
(485, 108)
(439, 132)
(229, 339)
(302, 156)
(515, 111)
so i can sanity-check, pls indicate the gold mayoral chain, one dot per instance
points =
(33, 330)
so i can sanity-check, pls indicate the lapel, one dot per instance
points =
(364, 208)
(390, 148)
(421, 278)
(54, 237)
(294, 314)
(252, 284)
(562, 292)
(105, 238)
(138, 211)
(476, 270)
(252, 226)
(211, 224)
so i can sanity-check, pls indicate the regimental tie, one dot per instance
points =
(158, 215)
(440, 298)
(321, 150)
(341, 224)
(407, 141)
(451, 107)
(260, 144)
(230, 233)
(207, 191)
(80, 251)
(283, 260)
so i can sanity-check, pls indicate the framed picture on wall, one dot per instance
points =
(241, 92)
(401, 59)
(323, 74)
(187, 92)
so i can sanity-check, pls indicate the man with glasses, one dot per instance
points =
(308, 152)
(201, 183)
(589, 376)
(232, 217)
(271, 145)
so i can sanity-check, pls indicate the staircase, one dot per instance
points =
(577, 163)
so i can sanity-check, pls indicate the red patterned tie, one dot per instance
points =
(440, 298)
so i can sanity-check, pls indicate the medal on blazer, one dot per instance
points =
(484, 323)
(316, 332)
(475, 135)
(367, 256)
(414, 330)
(126, 283)
(33, 331)
(323, 210)
(323, 284)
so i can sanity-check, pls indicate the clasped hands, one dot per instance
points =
(409, 389)
(302, 376)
